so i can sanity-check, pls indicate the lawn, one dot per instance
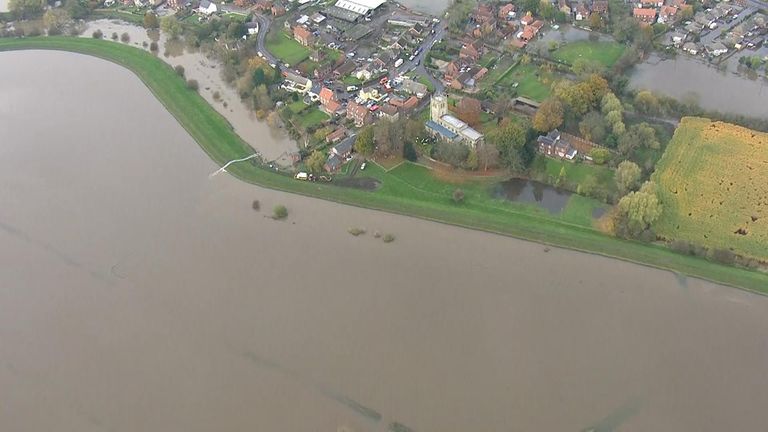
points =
(531, 81)
(605, 53)
(713, 183)
(575, 173)
(298, 106)
(403, 191)
(286, 48)
(312, 117)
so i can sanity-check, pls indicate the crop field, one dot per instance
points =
(713, 183)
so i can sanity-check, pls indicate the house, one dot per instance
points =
(600, 7)
(326, 95)
(345, 69)
(296, 83)
(317, 18)
(413, 87)
(336, 135)
(537, 26)
(564, 7)
(359, 114)
(410, 104)
(716, 49)
(677, 38)
(483, 13)
(252, 28)
(471, 51)
(667, 14)
(207, 8)
(344, 149)
(581, 11)
(694, 28)
(691, 48)
(553, 145)
(644, 15)
(303, 36)
(333, 163)
(507, 11)
(389, 112)
(527, 19)
(278, 10)
(173, 4)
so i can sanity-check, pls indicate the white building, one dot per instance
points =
(362, 7)
(206, 7)
(448, 127)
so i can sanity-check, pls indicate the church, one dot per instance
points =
(447, 127)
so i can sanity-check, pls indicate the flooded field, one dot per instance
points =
(527, 191)
(687, 79)
(434, 7)
(272, 144)
(137, 294)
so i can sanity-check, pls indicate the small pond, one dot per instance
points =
(529, 191)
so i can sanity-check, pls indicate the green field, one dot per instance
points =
(312, 117)
(605, 53)
(286, 48)
(407, 190)
(531, 82)
(713, 183)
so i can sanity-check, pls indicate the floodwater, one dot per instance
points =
(138, 294)
(685, 78)
(434, 7)
(533, 192)
(272, 144)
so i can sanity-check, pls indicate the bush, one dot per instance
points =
(388, 238)
(193, 85)
(125, 37)
(280, 212)
(724, 256)
(458, 196)
(97, 34)
(114, 36)
(356, 231)
(216, 96)
(256, 205)
(179, 70)
(153, 47)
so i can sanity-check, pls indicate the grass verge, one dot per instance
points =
(428, 201)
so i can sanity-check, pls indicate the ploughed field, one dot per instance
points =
(713, 183)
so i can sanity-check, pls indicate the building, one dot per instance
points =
(359, 114)
(337, 135)
(344, 149)
(553, 145)
(296, 83)
(360, 7)
(389, 112)
(447, 127)
(644, 15)
(303, 36)
(207, 8)
(667, 14)
(691, 48)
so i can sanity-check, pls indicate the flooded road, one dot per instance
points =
(137, 294)
(687, 79)
(272, 144)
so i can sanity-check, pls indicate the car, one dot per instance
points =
(273, 65)
(350, 54)
(362, 167)
(351, 88)
(374, 108)
(260, 54)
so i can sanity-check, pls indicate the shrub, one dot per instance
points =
(97, 34)
(388, 238)
(193, 85)
(724, 256)
(280, 212)
(356, 231)
(458, 196)
(114, 36)
(125, 37)
(153, 47)
(216, 96)
(179, 70)
(256, 205)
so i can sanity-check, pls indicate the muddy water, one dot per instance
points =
(138, 294)
(688, 79)
(434, 7)
(552, 199)
(273, 145)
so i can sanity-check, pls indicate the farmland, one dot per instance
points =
(713, 183)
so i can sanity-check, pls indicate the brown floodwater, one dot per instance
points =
(138, 294)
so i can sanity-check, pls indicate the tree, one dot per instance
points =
(179, 70)
(610, 103)
(261, 98)
(472, 160)
(151, 21)
(592, 127)
(487, 155)
(153, 47)
(452, 152)
(627, 176)
(76, 9)
(509, 139)
(646, 102)
(55, 19)
(171, 26)
(561, 177)
(193, 85)
(595, 21)
(549, 115)
(125, 38)
(599, 155)
(315, 162)
(637, 211)
(584, 67)
(364, 143)
(280, 212)
(24, 9)
(97, 34)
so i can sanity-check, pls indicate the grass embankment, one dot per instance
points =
(713, 181)
(603, 52)
(215, 135)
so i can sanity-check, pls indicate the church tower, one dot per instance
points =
(438, 107)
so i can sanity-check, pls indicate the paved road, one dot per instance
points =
(714, 34)
(417, 64)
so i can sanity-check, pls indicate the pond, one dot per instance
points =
(529, 191)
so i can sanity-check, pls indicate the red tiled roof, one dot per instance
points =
(643, 12)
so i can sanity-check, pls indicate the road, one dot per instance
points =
(417, 64)
(714, 34)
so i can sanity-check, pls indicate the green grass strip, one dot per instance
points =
(216, 137)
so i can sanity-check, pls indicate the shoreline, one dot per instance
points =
(215, 135)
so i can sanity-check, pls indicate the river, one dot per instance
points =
(688, 79)
(138, 294)
(434, 7)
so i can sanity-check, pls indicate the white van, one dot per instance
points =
(302, 176)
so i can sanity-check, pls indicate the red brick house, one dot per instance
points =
(326, 95)
(471, 51)
(278, 10)
(506, 11)
(303, 36)
(359, 114)
(644, 15)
